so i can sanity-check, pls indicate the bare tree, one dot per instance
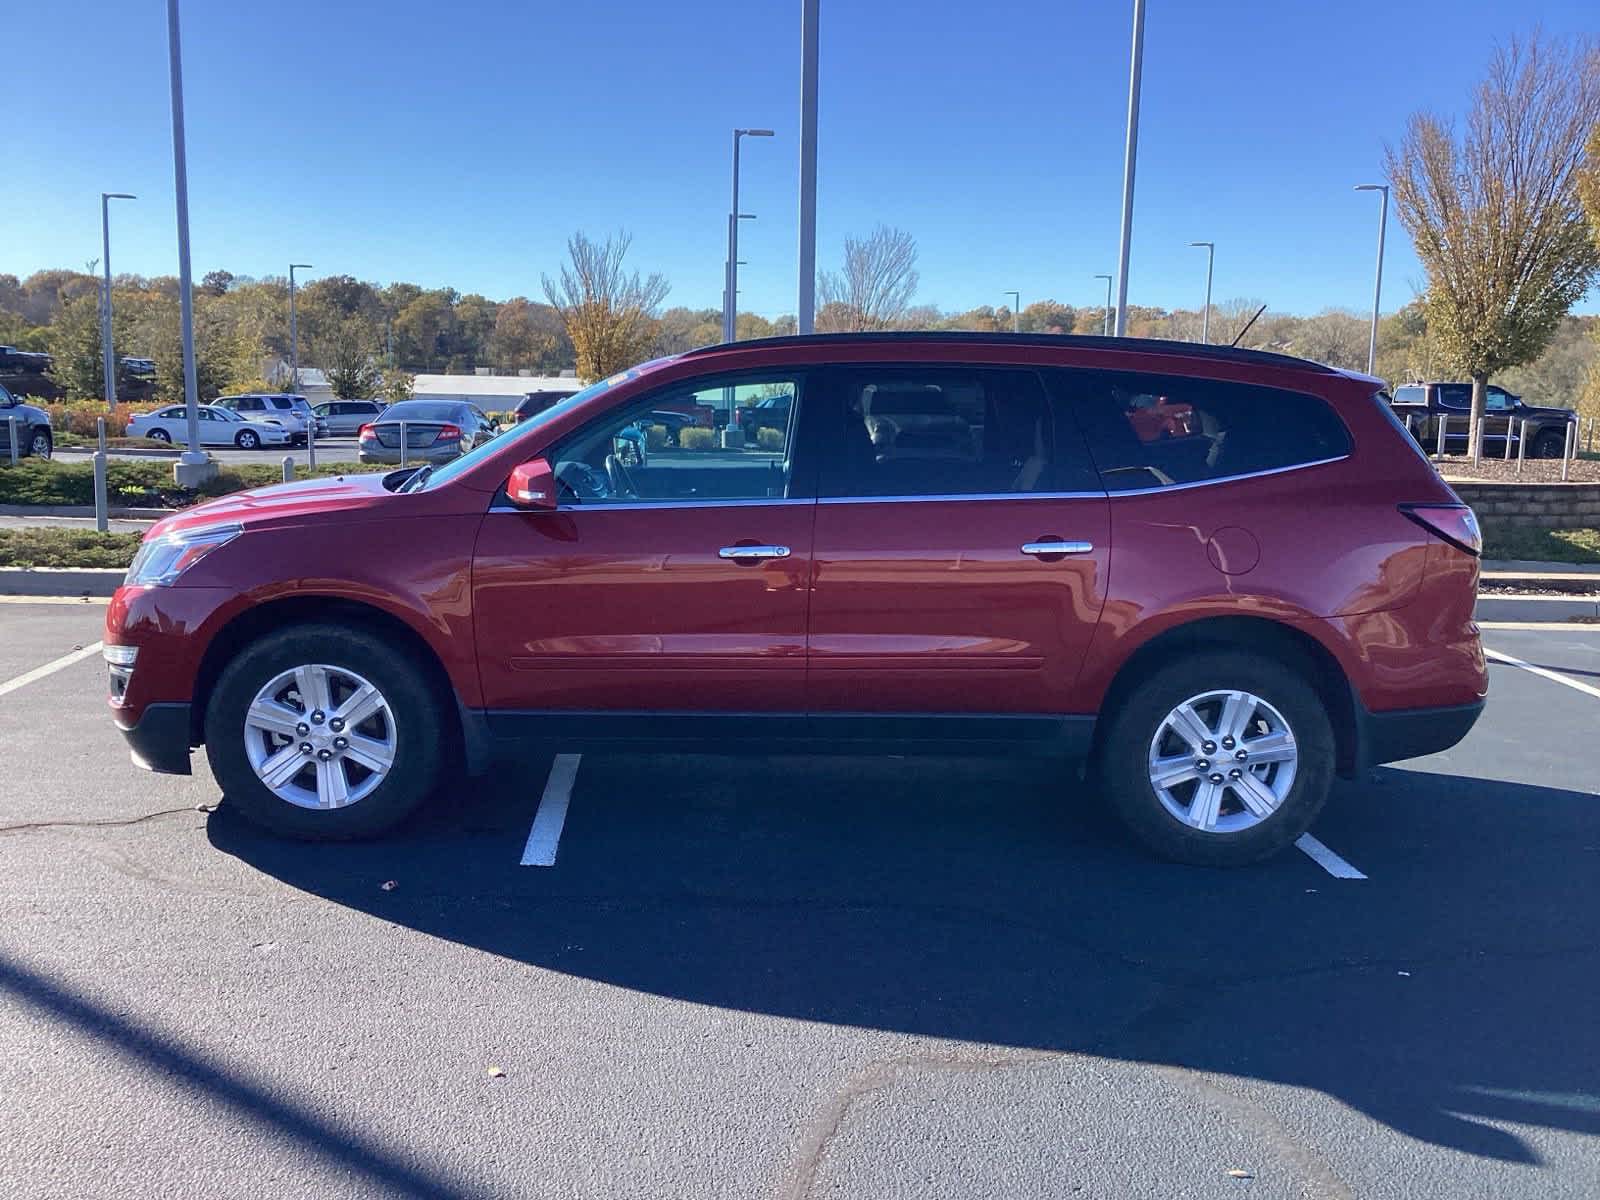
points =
(875, 288)
(1495, 215)
(609, 312)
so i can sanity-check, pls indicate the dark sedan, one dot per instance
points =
(434, 431)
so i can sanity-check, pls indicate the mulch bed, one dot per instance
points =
(1534, 470)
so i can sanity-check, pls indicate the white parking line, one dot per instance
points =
(1545, 672)
(50, 668)
(545, 835)
(1327, 859)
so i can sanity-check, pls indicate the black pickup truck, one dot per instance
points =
(23, 362)
(1420, 406)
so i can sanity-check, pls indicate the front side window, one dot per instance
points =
(643, 454)
(943, 431)
(1152, 431)
(1498, 400)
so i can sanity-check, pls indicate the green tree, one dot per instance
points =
(348, 355)
(75, 345)
(1495, 214)
(396, 385)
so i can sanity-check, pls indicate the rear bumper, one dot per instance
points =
(1413, 732)
(159, 739)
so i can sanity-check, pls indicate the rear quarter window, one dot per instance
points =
(1155, 431)
(1411, 395)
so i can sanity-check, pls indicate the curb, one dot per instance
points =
(1537, 608)
(59, 581)
(115, 451)
(117, 512)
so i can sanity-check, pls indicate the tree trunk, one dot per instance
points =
(1480, 393)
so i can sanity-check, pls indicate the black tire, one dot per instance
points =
(248, 439)
(1123, 769)
(41, 444)
(1551, 443)
(159, 435)
(419, 731)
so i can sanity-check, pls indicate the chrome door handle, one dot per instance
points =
(1048, 548)
(746, 553)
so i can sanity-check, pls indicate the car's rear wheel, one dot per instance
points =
(1219, 759)
(324, 732)
(248, 439)
(41, 444)
(159, 435)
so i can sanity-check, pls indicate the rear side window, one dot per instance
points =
(1455, 395)
(933, 431)
(1411, 395)
(1154, 431)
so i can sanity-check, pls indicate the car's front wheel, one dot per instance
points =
(324, 732)
(41, 444)
(1218, 759)
(1551, 443)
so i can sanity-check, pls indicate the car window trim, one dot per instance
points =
(626, 505)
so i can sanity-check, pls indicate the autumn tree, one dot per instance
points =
(609, 312)
(75, 349)
(874, 288)
(1495, 214)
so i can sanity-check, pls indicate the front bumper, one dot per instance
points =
(1412, 732)
(159, 739)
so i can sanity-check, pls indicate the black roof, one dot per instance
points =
(1073, 340)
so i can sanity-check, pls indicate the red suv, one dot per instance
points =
(957, 543)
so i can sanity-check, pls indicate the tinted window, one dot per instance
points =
(1150, 431)
(1414, 394)
(935, 431)
(423, 410)
(1455, 395)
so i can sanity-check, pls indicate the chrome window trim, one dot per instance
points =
(632, 505)
(1199, 483)
(940, 497)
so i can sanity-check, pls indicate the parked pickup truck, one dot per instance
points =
(26, 362)
(1420, 405)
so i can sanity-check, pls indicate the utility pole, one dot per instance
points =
(1129, 159)
(806, 308)
(106, 350)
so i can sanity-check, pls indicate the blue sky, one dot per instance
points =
(460, 144)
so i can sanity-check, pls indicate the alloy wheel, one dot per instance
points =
(320, 737)
(1223, 761)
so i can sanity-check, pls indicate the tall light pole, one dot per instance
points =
(106, 351)
(806, 307)
(1016, 303)
(294, 331)
(1205, 319)
(1105, 326)
(193, 466)
(730, 279)
(1130, 156)
(1377, 287)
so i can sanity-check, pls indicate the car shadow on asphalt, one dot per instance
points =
(1444, 996)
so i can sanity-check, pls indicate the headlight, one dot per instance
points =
(163, 559)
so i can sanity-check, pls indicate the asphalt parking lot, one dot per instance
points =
(796, 978)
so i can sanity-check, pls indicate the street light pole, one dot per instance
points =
(1205, 319)
(1016, 303)
(1129, 158)
(294, 332)
(106, 351)
(1105, 325)
(806, 308)
(730, 279)
(194, 458)
(1377, 287)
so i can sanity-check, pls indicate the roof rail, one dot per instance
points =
(1072, 340)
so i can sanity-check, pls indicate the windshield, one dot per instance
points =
(520, 433)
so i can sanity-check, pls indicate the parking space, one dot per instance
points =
(799, 977)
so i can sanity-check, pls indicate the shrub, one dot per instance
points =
(80, 416)
(769, 439)
(66, 548)
(697, 439)
(141, 484)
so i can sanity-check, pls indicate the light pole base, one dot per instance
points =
(193, 469)
(733, 438)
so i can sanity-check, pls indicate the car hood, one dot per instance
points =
(283, 503)
(1552, 414)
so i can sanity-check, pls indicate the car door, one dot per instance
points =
(670, 580)
(212, 431)
(960, 554)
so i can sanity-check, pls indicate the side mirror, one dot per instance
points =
(533, 486)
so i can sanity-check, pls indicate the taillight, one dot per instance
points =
(449, 433)
(366, 431)
(1455, 523)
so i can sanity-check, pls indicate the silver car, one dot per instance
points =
(435, 431)
(344, 418)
